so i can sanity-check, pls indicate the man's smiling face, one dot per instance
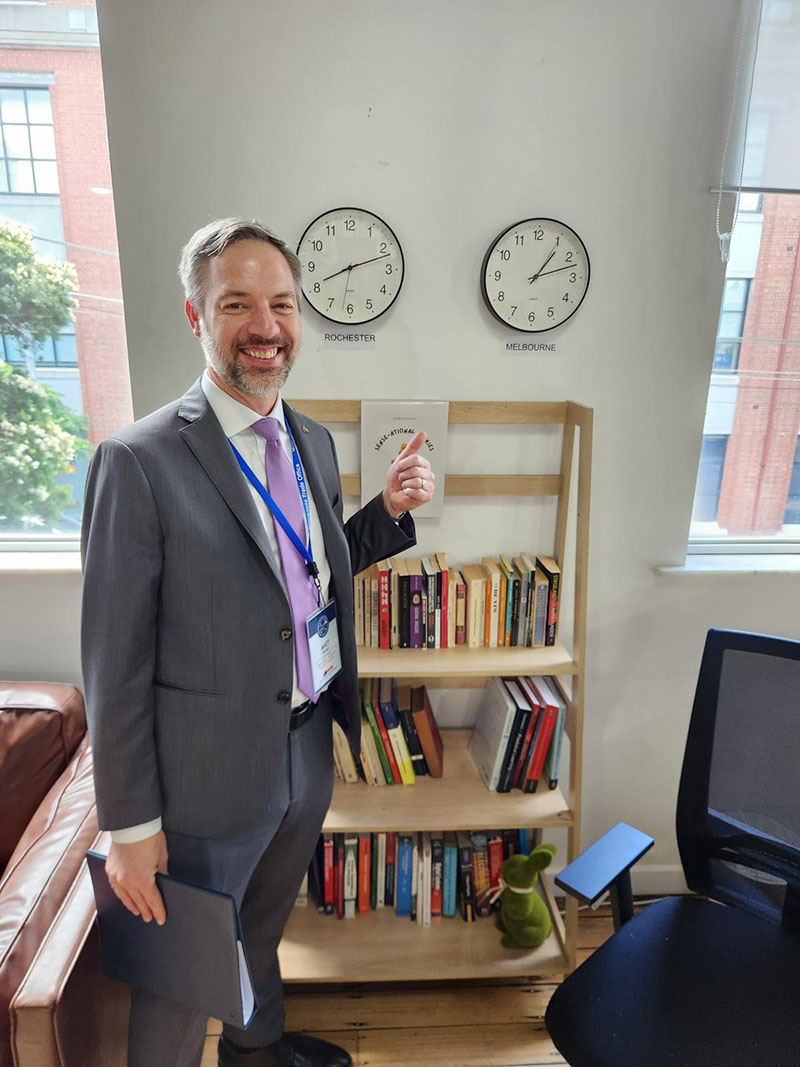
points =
(249, 325)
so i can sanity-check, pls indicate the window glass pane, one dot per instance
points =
(735, 294)
(46, 177)
(730, 324)
(793, 500)
(46, 353)
(14, 353)
(726, 356)
(20, 173)
(3, 177)
(39, 106)
(18, 146)
(12, 105)
(66, 350)
(43, 143)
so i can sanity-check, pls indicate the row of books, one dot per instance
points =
(424, 603)
(421, 876)
(400, 740)
(519, 733)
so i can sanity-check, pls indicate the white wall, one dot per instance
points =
(452, 120)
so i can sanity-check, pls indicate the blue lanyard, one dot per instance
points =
(305, 552)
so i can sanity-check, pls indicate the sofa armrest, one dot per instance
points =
(51, 1024)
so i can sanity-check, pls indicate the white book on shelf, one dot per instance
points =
(492, 729)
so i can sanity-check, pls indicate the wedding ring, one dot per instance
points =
(423, 483)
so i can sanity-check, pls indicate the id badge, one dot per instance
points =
(323, 645)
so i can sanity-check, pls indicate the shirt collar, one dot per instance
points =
(233, 415)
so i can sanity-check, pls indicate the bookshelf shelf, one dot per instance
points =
(380, 947)
(463, 662)
(458, 801)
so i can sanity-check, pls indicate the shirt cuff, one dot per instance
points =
(128, 835)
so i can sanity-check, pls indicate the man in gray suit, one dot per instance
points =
(209, 710)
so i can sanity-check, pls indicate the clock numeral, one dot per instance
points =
(316, 287)
(384, 247)
(505, 254)
(514, 308)
(330, 302)
(519, 238)
(389, 268)
(330, 229)
(368, 305)
(538, 235)
(558, 240)
(501, 295)
(532, 316)
(565, 298)
(350, 225)
(370, 229)
(498, 275)
(573, 277)
(551, 312)
(569, 257)
(317, 246)
(311, 265)
(349, 309)
(383, 290)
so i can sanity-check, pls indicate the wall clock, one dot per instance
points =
(352, 265)
(535, 275)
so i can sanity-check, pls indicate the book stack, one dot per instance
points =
(400, 740)
(424, 603)
(419, 876)
(519, 734)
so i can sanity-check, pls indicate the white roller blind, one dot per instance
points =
(772, 147)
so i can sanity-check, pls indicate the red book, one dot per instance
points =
(328, 874)
(541, 741)
(384, 605)
(338, 851)
(364, 863)
(530, 733)
(495, 860)
(387, 744)
(441, 560)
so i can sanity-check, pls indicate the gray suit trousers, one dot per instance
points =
(263, 871)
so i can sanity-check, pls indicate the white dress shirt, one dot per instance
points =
(236, 420)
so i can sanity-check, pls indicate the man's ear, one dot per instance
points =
(193, 317)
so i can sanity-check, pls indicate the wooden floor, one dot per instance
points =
(432, 1024)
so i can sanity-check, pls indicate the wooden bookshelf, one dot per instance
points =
(458, 800)
(379, 946)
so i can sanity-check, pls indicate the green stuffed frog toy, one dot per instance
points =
(524, 918)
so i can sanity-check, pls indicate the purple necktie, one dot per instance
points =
(283, 489)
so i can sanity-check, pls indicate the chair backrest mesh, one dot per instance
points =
(739, 802)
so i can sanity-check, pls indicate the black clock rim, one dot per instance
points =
(493, 245)
(349, 322)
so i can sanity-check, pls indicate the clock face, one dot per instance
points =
(352, 265)
(535, 275)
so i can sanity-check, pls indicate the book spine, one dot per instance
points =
(480, 873)
(380, 889)
(401, 753)
(375, 615)
(350, 876)
(461, 613)
(384, 610)
(404, 610)
(387, 746)
(522, 617)
(444, 622)
(426, 879)
(430, 623)
(338, 848)
(501, 611)
(552, 764)
(391, 868)
(364, 865)
(328, 874)
(513, 746)
(415, 633)
(437, 874)
(513, 621)
(450, 879)
(405, 861)
(394, 603)
(414, 877)
(509, 843)
(540, 614)
(413, 743)
(373, 872)
(466, 888)
(554, 581)
(549, 714)
(494, 846)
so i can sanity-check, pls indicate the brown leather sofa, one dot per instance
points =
(57, 1009)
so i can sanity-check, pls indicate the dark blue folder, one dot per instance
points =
(196, 958)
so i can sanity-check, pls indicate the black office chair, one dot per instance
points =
(691, 981)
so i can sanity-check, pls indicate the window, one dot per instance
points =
(29, 147)
(731, 323)
(55, 181)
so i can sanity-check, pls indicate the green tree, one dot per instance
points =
(40, 437)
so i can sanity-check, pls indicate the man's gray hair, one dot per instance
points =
(212, 240)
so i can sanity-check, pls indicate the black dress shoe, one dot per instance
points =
(293, 1050)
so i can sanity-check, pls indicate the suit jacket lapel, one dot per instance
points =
(331, 532)
(203, 434)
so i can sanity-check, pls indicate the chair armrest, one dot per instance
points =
(604, 862)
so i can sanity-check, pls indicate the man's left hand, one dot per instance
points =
(410, 480)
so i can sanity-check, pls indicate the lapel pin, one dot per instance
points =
(305, 429)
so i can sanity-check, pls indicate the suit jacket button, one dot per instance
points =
(285, 635)
(284, 697)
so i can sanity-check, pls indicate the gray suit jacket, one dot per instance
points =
(186, 675)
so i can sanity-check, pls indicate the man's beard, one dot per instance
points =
(255, 381)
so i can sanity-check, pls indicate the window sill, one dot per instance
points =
(35, 562)
(746, 563)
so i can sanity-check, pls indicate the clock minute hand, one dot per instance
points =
(338, 272)
(539, 271)
(569, 266)
(374, 258)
